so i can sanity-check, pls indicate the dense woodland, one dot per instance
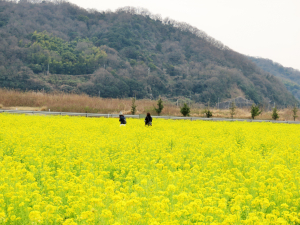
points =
(289, 76)
(131, 52)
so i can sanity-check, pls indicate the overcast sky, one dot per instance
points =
(264, 28)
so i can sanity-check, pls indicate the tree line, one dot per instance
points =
(185, 110)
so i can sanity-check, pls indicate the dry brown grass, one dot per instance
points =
(24, 108)
(62, 102)
(244, 113)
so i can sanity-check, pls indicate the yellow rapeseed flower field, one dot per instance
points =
(76, 170)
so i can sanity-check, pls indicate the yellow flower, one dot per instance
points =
(13, 218)
(69, 222)
(2, 217)
(171, 188)
(106, 214)
(135, 217)
(69, 170)
(35, 216)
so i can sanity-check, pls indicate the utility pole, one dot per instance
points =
(148, 71)
(48, 69)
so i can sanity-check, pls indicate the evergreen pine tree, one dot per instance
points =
(295, 110)
(255, 111)
(232, 109)
(185, 110)
(160, 106)
(207, 112)
(275, 114)
(133, 107)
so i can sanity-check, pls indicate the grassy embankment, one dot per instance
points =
(62, 102)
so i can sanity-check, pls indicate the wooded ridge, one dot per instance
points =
(289, 76)
(55, 45)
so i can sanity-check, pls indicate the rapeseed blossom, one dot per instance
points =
(72, 171)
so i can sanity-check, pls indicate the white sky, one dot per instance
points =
(264, 28)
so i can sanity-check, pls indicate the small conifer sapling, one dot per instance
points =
(133, 107)
(255, 111)
(232, 109)
(160, 106)
(185, 110)
(295, 110)
(207, 112)
(275, 115)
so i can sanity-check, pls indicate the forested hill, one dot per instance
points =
(130, 52)
(289, 76)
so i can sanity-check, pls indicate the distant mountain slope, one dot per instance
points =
(289, 76)
(130, 52)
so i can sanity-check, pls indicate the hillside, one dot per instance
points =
(130, 52)
(289, 76)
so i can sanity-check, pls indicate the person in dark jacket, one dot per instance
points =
(122, 119)
(148, 120)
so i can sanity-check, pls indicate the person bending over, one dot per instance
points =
(148, 120)
(122, 119)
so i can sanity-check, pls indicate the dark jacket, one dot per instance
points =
(122, 119)
(148, 120)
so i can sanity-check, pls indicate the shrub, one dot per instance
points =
(185, 110)
(275, 114)
(232, 109)
(133, 107)
(208, 113)
(295, 110)
(255, 111)
(160, 106)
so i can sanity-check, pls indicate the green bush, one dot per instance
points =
(255, 111)
(275, 115)
(185, 110)
(133, 107)
(295, 110)
(208, 113)
(232, 109)
(160, 106)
